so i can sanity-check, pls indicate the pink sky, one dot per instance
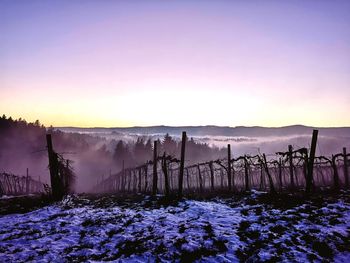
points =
(125, 63)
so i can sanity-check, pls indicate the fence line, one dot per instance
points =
(288, 171)
(11, 184)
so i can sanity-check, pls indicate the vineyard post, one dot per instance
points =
(135, 181)
(233, 176)
(155, 176)
(53, 167)
(229, 166)
(290, 156)
(188, 179)
(280, 173)
(27, 182)
(211, 175)
(246, 171)
(182, 163)
(140, 178)
(123, 178)
(166, 177)
(262, 178)
(335, 172)
(130, 178)
(200, 179)
(272, 188)
(346, 169)
(146, 173)
(309, 180)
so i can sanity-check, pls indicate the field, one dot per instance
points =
(251, 227)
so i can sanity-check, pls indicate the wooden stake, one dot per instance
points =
(140, 178)
(291, 171)
(123, 178)
(182, 163)
(200, 179)
(246, 173)
(53, 167)
(272, 188)
(346, 168)
(211, 175)
(27, 182)
(166, 177)
(229, 167)
(280, 173)
(146, 179)
(155, 176)
(309, 181)
(335, 172)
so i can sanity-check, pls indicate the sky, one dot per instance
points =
(140, 63)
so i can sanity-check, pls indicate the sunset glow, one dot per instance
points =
(126, 63)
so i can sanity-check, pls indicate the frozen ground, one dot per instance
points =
(242, 229)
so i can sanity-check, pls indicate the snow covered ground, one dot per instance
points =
(217, 230)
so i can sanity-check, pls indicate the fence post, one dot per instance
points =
(229, 166)
(211, 175)
(200, 179)
(291, 172)
(27, 182)
(155, 176)
(53, 166)
(246, 171)
(123, 178)
(140, 178)
(182, 163)
(233, 177)
(309, 181)
(335, 172)
(280, 173)
(166, 177)
(272, 188)
(146, 179)
(346, 168)
(188, 179)
(262, 178)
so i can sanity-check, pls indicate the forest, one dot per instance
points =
(23, 146)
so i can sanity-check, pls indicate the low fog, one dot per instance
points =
(98, 153)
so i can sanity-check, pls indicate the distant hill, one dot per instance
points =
(211, 130)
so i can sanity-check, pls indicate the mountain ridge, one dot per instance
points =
(214, 130)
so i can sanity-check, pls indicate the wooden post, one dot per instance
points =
(27, 182)
(200, 179)
(66, 185)
(291, 171)
(246, 173)
(229, 167)
(233, 177)
(280, 173)
(135, 181)
(166, 177)
(130, 178)
(346, 168)
(53, 167)
(211, 175)
(272, 188)
(140, 178)
(309, 181)
(335, 172)
(182, 163)
(188, 179)
(155, 176)
(262, 178)
(146, 179)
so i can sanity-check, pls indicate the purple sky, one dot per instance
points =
(125, 63)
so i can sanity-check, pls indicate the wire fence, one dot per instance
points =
(11, 184)
(286, 171)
